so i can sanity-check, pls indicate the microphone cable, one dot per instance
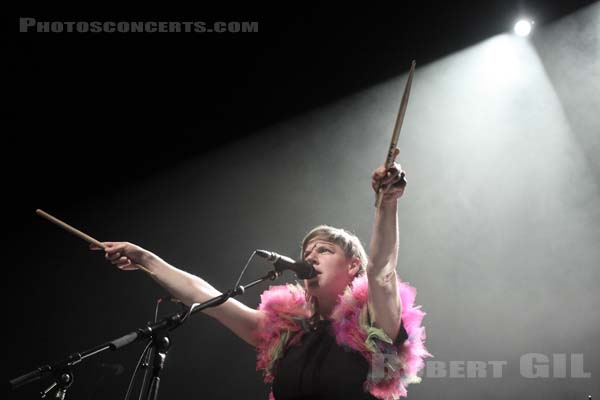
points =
(235, 286)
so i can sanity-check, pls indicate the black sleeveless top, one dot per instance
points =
(318, 368)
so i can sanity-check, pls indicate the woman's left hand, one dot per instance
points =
(391, 181)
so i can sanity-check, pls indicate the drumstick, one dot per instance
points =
(76, 232)
(389, 160)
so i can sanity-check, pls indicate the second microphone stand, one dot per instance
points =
(157, 333)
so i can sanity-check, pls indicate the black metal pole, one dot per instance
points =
(158, 332)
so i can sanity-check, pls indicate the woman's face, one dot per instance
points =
(334, 270)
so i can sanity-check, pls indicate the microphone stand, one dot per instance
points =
(157, 332)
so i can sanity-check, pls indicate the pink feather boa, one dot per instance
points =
(393, 367)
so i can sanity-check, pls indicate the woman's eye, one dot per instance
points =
(319, 250)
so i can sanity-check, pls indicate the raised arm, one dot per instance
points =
(239, 318)
(385, 305)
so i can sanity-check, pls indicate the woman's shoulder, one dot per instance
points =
(285, 300)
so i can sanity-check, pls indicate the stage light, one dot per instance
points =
(523, 27)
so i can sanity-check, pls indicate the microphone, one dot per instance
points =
(303, 269)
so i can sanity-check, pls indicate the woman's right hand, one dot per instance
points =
(126, 256)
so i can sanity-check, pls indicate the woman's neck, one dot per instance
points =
(324, 306)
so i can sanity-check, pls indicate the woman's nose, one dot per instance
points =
(311, 258)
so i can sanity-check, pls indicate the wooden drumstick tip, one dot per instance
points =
(80, 234)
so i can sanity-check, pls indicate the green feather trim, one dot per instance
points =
(276, 351)
(372, 332)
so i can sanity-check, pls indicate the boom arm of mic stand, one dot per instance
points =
(170, 322)
(174, 320)
(217, 301)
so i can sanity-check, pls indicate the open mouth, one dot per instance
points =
(314, 281)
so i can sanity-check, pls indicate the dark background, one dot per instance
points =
(91, 115)
(126, 105)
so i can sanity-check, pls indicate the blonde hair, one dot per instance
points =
(348, 241)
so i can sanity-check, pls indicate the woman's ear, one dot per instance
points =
(354, 266)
